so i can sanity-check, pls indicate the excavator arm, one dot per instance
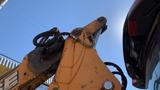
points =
(36, 67)
(80, 67)
(73, 60)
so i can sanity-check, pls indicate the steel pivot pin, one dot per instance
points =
(108, 85)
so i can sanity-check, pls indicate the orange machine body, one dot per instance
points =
(80, 67)
(22, 78)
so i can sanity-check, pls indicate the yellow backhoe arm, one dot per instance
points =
(80, 67)
(74, 61)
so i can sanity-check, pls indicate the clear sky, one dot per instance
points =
(21, 20)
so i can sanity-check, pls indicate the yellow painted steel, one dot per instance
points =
(3, 70)
(80, 67)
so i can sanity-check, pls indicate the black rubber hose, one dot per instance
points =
(45, 41)
(120, 72)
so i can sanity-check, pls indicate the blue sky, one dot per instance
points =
(21, 20)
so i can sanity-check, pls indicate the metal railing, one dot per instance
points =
(8, 62)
